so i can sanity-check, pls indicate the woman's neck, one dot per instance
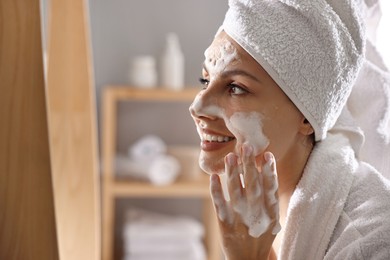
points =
(290, 168)
(289, 175)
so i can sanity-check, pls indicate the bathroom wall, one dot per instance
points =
(123, 29)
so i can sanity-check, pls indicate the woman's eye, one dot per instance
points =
(204, 82)
(236, 90)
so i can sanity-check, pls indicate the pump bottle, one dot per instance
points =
(172, 64)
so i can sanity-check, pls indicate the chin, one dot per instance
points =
(210, 166)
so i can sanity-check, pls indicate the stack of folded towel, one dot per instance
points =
(150, 235)
(148, 160)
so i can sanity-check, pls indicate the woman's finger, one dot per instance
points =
(235, 188)
(220, 205)
(270, 184)
(252, 177)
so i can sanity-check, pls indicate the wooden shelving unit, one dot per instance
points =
(113, 188)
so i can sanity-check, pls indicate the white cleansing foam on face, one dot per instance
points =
(197, 108)
(247, 127)
(217, 58)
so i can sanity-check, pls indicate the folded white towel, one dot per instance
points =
(162, 170)
(144, 224)
(162, 247)
(147, 148)
(126, 167)
(185, 256)
(162, 257)
(152, 235)
(195, 254)
(147, 160)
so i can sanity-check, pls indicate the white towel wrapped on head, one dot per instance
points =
(318, 53)
(313, 50)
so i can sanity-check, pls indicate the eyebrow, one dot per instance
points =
(228, 73)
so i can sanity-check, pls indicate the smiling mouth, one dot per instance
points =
(216, 138)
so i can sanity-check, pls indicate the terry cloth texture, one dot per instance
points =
(313, 49)
(340, 208)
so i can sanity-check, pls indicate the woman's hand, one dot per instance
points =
(248, 222)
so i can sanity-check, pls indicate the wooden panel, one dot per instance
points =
(27, 224)
(109, 124)
(72, 125)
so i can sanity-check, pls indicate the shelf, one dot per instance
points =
(198, 188)
(119, 93)
(191, 183)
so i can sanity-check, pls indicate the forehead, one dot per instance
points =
(223, 52)
(221, 43)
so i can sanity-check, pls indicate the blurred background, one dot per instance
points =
(122, 30)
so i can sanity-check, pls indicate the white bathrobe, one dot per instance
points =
(340, 208)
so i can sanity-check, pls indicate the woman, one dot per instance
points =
(273, 120)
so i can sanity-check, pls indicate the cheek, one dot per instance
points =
(282, 130)
(248, 128)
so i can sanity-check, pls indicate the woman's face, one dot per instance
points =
(240, 103)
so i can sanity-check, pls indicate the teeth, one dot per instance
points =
(216, 138)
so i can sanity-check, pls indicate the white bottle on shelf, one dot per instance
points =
(172, 64)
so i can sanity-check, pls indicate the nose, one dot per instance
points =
(203, 106)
